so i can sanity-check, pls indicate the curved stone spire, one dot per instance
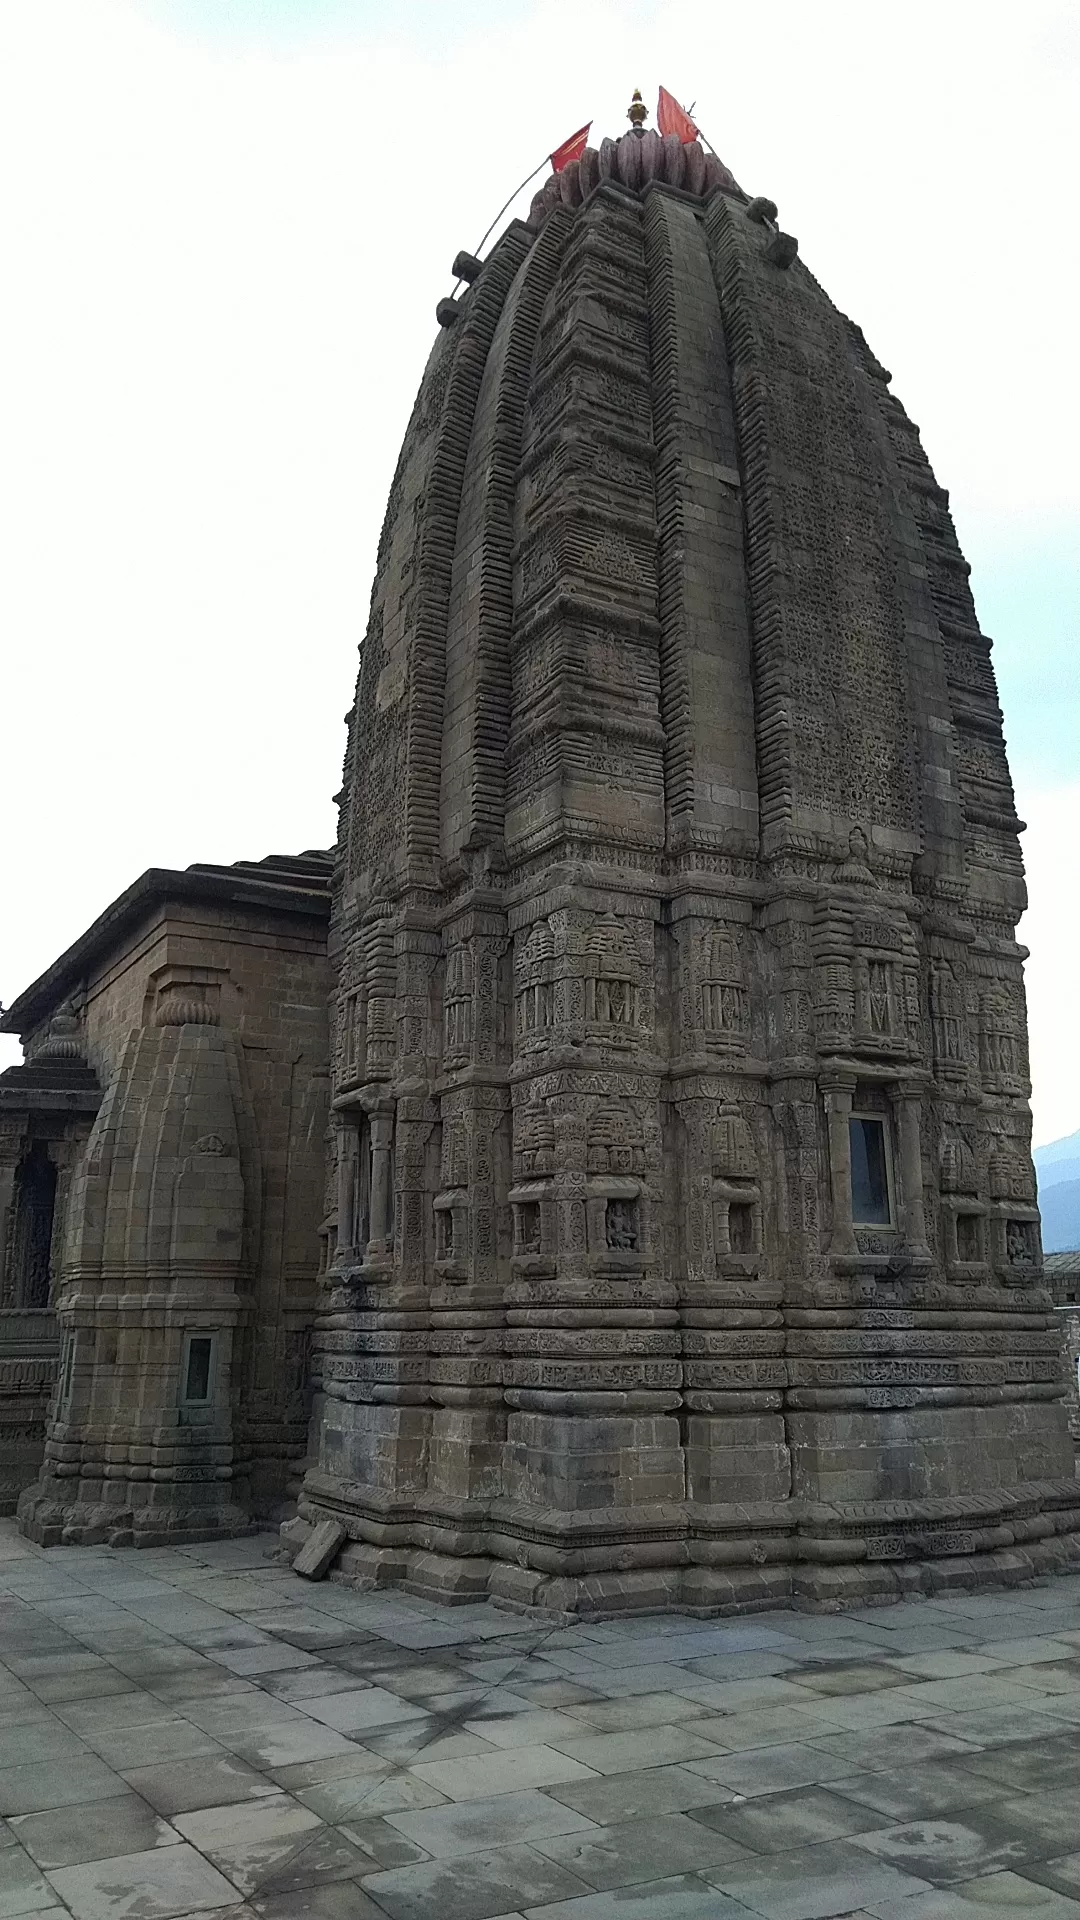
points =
(674, 917)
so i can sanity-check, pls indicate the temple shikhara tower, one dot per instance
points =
(679, 1240)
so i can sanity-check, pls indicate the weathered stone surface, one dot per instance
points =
(680, 1244)
(167, 1136)
(678, 879)
(317, 1553)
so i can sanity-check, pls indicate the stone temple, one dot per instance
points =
(653, 1222)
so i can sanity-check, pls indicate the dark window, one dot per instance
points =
(444, 1234)
(869, 1173)
(34, 1200)
(741, 1227)
(528, 1216)
(967, 1237)
(197, 1377)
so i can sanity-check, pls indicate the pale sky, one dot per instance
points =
(224, 228)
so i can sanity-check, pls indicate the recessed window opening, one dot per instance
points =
(871, 1204)
(741, 1227)
(967, 1238)
(528, 1224)
(621, 1225)
(197, 1366)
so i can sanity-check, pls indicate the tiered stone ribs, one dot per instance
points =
(678, 864)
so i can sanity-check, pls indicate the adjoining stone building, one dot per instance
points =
(161, 1178)
(1063, 1281)
(685, 1248)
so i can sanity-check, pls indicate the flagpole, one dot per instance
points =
(503, 208)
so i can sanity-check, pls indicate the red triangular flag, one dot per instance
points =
(670, 118)
(571, 149)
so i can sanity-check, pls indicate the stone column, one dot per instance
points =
(838, 1108)
(913, 1211)
(346, 1192)
(382, 1226)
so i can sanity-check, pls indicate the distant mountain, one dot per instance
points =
(1058, 1168)
(1049, 1158)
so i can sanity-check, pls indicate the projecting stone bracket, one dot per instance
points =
(467, 267)
(782, 250)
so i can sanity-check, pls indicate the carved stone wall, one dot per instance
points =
(686, 1241)
(184, 1248)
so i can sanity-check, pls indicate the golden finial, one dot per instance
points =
(637, 112)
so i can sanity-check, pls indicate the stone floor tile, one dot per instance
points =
(427, 1739)
(276, 1657)
(742, 1666)
(1047, 1822)
(635, 1796)
(472, 1887)
(23, 1888)
(1057, 1676)
(997, 1893)
(924, 1791)
(769, 1769)
(283, 1746)
(132, 1708)
(509, 1770)
(534, 1727)
(156, 1885)
(93, 1831)
(810, 1883)
(41, 1740)
(617, 1682)
(555, 1693)
(331, 1900)
(472, 1826)
(627, 1752)
(206, 1780)
(1061, 1873)
(892, 1746)
(774, 1822)
(96, 1682)
(771, 1726)
(888, 1707)
(840, 1678)
(636, 1710)
(249, 1841)
(948, 1663)
(381, 1846)
(56, 1783)
(1028, 1766)
(309, 1683)
(312, 1773)
(997, 1726)
(206, 1682)
(967, 1846)
(1061, 1706)
(973, 1693)
(637, 1850)
(683, 1898)
(24, 1710)
(1031, 1652)
(367, 1707)
(170, 1739)
(235, 1713)
(361, 1796)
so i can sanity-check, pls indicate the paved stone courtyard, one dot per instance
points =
(192, 1730)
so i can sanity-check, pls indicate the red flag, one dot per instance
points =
(670, 118)
(572, 149)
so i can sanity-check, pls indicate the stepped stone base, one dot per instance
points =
(716, 1560)
(84, 1523)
